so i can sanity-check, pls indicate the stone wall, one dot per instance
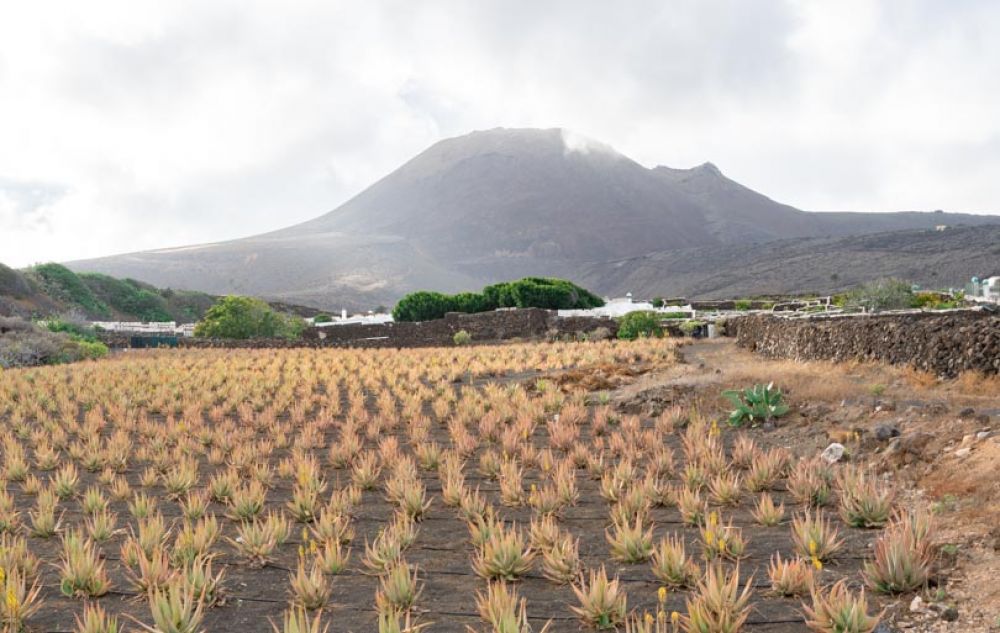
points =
(945, 344)
(484, 327)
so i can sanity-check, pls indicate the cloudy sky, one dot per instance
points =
(137, 124)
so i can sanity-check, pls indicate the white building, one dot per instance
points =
(343, 319)
(984, 290)
(154, 327)
(622, 306)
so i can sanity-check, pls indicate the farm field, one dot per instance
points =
(445, 486)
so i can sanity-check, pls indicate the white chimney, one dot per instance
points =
(343, 314)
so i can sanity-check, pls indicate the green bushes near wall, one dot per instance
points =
(638, 324)
(237, 317)
(530, 292)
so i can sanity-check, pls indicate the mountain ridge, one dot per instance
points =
(494, 205)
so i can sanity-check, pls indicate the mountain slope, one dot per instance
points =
(519, 193)
(937, 259)
(490, 206)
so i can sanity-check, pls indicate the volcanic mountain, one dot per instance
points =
(503, 203)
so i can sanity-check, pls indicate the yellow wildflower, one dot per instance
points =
(661, 593)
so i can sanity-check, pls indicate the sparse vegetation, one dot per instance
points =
(24, 344)
(883, 294)
(639, 324)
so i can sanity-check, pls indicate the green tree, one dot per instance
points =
(541, 292)
(530, 292)
(471, 302)
(423, 305)
(639, 323)
(246, 317)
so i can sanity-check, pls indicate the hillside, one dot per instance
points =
(494, 205)
(823, 265)
(53, 289)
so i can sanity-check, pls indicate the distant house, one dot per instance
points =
(991, 288)
(623, 305)
(941, 227)
(139, 327)
(369, 318)
(987, 289)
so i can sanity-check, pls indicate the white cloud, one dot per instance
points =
(152, 124)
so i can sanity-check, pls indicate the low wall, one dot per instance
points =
(484, 327)
(709, 305)
(944, 344)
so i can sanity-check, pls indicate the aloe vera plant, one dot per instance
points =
(755, 404)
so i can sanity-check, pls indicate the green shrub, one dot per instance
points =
(691, 326)
(883, 294)
(755, 404)
(462, 338)
(422, 306)
(63, 284)
(673, 315)
(91, 349)
(658, 302)
(78, 331)
(930, 300)
(128, 297)
(743, 304)
(322, 318)
(239, 317)
(640, 323)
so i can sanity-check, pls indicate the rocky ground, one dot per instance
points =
(937, 440)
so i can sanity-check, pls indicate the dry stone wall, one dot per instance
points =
(484, 327)
(945, 344)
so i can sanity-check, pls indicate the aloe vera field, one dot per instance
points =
(525, 487)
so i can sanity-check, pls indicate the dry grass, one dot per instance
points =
(817, 381)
